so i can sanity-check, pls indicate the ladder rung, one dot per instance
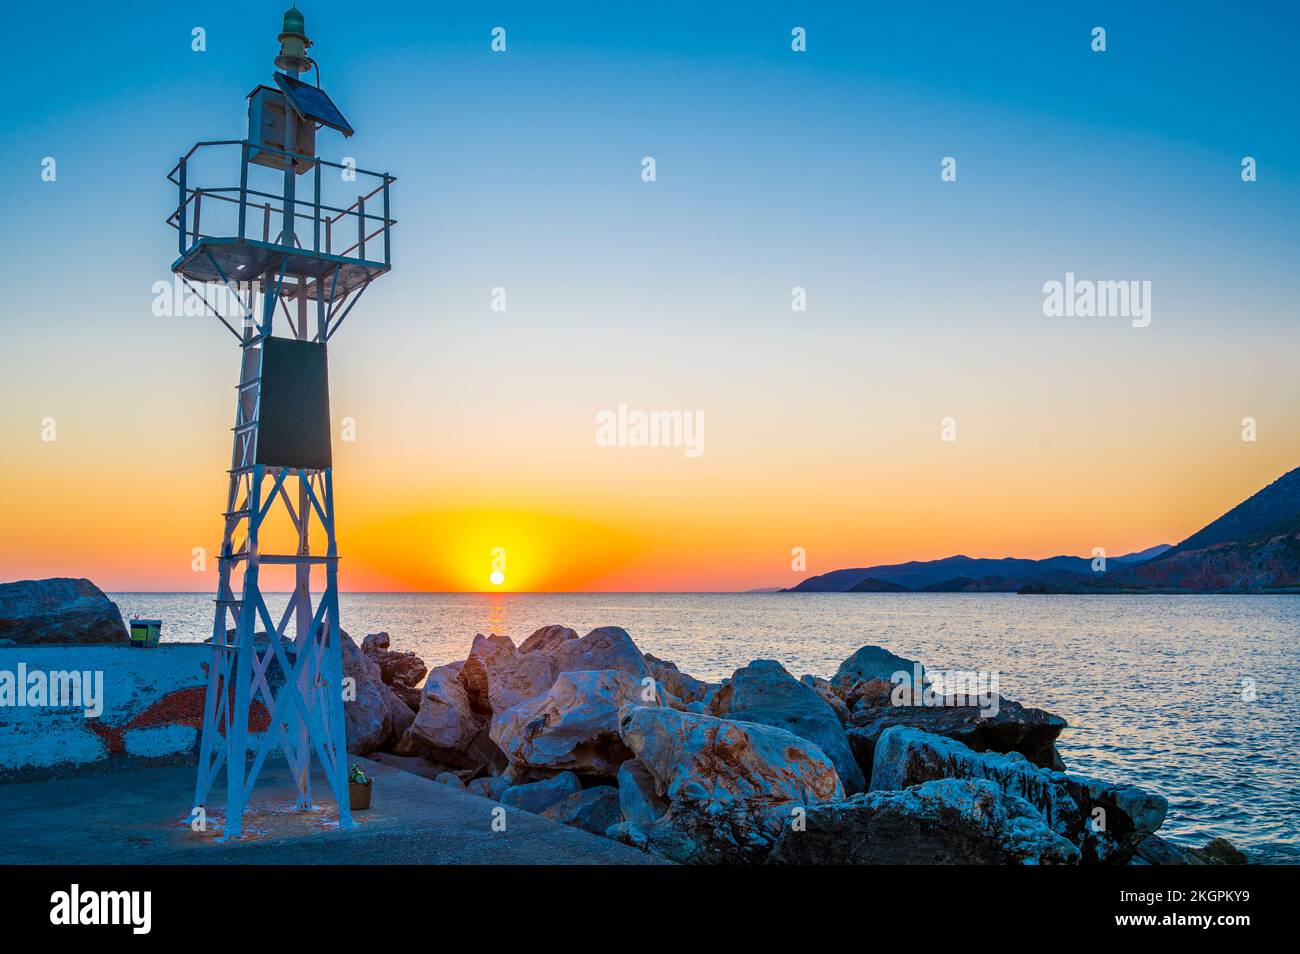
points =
(286, 558)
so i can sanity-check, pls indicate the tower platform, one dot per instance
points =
(218, 259)
(329, 232)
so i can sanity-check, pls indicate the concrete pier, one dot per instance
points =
(139, 817)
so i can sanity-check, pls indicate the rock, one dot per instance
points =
(411, 695)
(368, 718)
(497, 676)
(547, 639)
(446, 724)
(639, 800)
(873, 663)
(492, 787)
(905, 756)
(700, 758)
(401, 669)
(484, 755)
(449, 778)
(832, 698)
(536, 797)
(593, 809)
(1014, 728)
(692, 833)
(605, 648)
(572, 726)
(1220, 851)
(1058, 763)
(375, 643)
(480, 757)
(947, 821)
(1130, 812)
(765, 693)
(402, 718)
(7, 643)
(58, 611)
(685, 687)
(627, 833)
(401, 672)
(1154, 850)
(868, 694)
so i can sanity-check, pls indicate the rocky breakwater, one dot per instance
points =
(869, 766)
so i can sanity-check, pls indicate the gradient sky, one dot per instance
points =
(776, 169)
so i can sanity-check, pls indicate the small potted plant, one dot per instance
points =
(359, 786)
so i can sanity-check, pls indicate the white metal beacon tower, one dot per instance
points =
(262, 233)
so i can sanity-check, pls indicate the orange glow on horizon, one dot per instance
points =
(577, 517)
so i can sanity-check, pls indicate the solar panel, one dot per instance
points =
(312, 102)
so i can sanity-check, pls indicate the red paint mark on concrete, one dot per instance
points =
(183, 707)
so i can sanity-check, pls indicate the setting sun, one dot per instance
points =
(497, 578)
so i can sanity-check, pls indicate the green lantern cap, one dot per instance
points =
(293, 21)
(293, 56)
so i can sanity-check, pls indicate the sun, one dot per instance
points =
(497, 578)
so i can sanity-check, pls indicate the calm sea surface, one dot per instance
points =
(1152, 686)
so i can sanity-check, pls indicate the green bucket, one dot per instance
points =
(145, 632)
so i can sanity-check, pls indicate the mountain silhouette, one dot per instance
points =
(956, 574)
(1253, 548)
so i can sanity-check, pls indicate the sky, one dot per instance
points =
(823, 429)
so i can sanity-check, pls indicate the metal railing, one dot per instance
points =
(357, 218)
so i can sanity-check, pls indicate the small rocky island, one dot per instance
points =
(760, 768)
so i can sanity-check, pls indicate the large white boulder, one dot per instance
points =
(573, 725)
(764, 692)
(1104, 820)
(947, 821)
(547, 639)
(446, 725)
(608, 647)
(710, 761)
(497, 676)
(58, 611)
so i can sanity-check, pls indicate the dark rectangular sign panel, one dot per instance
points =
(293, 421)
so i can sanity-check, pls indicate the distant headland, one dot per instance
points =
(1253, 548)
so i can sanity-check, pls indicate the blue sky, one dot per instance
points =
(823, 160)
